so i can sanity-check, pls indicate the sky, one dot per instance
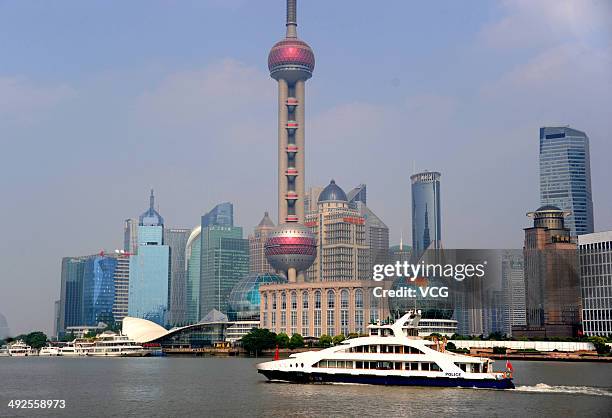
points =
(101, 101)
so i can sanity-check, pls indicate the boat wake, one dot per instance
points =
(571, 390)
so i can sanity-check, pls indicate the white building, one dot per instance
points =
(595, 257)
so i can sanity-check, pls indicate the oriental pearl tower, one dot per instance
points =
(291, 247)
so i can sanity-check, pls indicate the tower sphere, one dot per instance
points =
(291, 59)
(291, 246)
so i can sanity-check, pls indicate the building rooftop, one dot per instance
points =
(332, 193)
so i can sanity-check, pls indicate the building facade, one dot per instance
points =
(122, 286)
(513, 282)
(340, 234)
(323, 308)
(257, 243)
(149, 294)
(595, 256)
(71, 293)
(565, 176)
(552, 280)
(220, 215)
(130, 236)
(426, 212)
(176, 239)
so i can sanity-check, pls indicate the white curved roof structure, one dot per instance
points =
(142, 330)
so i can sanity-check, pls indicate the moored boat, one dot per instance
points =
(19, 349)
(49, 351)
(109, 344)
(392, 354)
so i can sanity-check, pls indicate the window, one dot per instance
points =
(274, 300)
(414, 350)
(283, 301)
(359, 299)
(283, 319)
(331, 299)
(265, 301)
(317, 299)
(304, 300)
(293, 300)
(425, 366)
(344, 299)
(435, 367)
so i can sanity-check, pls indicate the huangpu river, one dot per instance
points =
(219, 387)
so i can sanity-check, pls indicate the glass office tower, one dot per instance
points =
(99, 290)
(220, 215)
(71, 296)
(426, 219)
(192, 262)
(176, 239)
(149, 295)
(224, 261)
(565, 176)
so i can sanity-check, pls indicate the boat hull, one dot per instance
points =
(302, 377)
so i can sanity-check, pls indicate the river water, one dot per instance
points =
(211, 387)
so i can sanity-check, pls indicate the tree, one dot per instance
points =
(600, 344)
(325, 340)
(36, 340)
(451, 346)
(338, 339)
(257, 340)
(282, 340)
(296, 341)
(353, 335)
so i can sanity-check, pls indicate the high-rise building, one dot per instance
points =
(311, 198)
(224, 261)
(176, 239)
(71, 293)
(130, 236)
(377, 234)
(340, 234)
(192, 265)
(565, 176)
(595, 255)
(257, 244)
(358, 194)
(552, 281)
(150, 270)
(513, 283)
(99, 289)
(220, 215)
(122, 285)
(426, 217)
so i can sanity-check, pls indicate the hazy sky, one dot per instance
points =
(102, 100)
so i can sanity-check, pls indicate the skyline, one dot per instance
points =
(173, 98)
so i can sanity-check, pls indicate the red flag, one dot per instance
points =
(276, 356)
(509, 366)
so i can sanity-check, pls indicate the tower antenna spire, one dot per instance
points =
(291, 19)
(151, 200)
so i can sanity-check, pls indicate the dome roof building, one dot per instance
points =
(332, 193)
(244, 300)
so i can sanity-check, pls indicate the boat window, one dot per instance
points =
(397, 365)
(435, 367)
(414, 350)
(359, 364)
(331, 363)
(462, 366)
(476, 368)
(399, 349)
(373, 365)
(425, 366)
(373, 332)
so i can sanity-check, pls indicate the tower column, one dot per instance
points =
(283, 92)
(300, 142)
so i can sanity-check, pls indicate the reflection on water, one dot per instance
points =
(231, 387)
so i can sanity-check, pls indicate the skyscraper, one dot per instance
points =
(192, 266)
(71, 293)
(426, 217)
(220, 215)
(257, 243)
(176, 239)
(552, 281)
(340, 234)
(224, 261)
(99, 289)
(565, 176)
(150, 269)
(358, 194)
(513, 280)
(130, 236)
(122, 286)
(595, 253)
